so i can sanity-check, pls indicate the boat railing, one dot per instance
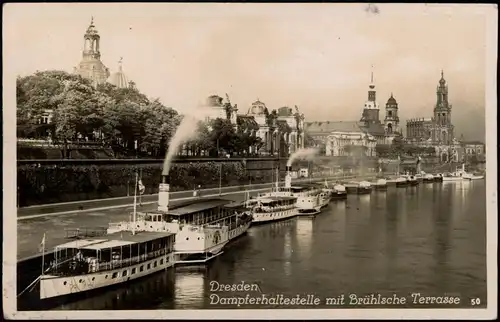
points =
(95, 267)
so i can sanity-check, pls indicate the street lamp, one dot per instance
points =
(220, 179)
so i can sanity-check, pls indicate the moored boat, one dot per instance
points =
(202, 227)
(438, 177)
(428, 178)
(412, 180)
(471, 176)
(402, 182)
(380, 184)
(92, 263)
(308, 199)
(339, 192)
(454, 176)
(273, 208)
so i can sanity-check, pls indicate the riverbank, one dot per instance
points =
(30, 228)
(111, 203)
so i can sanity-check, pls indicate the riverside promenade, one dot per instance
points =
(54, 219)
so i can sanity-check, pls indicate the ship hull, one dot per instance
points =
(261, 217)
(339, 195)
(52, 286)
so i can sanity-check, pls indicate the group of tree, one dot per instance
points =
(118, 118)
(218, 137)
(399, 148)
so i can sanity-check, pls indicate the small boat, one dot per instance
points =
(391, 181)
(419, 177)
(339, 192)
(380, 184)
(454, 176)
(438, 177)
(471, 176)
(364, 187)
(428, 178)
(402, 182)
(412, 180)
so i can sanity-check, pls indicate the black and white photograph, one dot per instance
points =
(249, 161)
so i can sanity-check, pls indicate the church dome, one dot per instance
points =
(119, 79)
(391, 101)
(257, 108)
(214, 101)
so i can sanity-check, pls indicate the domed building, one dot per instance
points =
(119, 79)
(391, 121)
(91, 66)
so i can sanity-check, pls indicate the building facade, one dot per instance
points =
(281, 131)
(438, 129)
(368, 132)
(348, 139)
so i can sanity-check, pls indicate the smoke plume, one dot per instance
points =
(302, 154)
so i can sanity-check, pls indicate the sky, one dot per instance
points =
(316, 56)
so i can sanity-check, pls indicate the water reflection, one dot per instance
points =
(304, 236)
(338, 223)
(189, 289)
(287, 253)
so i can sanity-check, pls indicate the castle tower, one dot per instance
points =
(91, 66)
(391, 121)
(443, 129)
(371, 109)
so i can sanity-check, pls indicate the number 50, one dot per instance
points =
(475, 301)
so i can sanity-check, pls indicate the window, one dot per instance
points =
(155, 264)
(141, 269)
(149, 266)
(133, 270)
(124, 273)
(161, 261)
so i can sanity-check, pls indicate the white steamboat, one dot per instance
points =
(308, 200)
(88, 264)
(202, 227)
(92, 263)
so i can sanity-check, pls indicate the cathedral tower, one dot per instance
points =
(91, 66)
(371, 109)
(391, 121)
(443, 129)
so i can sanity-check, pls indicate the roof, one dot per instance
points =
(108, 244)
(330, 126)
(275, 198)
(391, 101)
(197, 206)
(117, 239)
(374, 129)
(247, 121)
(285, 111)
(81, 243)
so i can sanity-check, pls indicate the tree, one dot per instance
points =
(115, 116)
(383, 150)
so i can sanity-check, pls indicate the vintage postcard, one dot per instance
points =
(249, 161)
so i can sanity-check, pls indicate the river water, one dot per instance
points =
(429, 239)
